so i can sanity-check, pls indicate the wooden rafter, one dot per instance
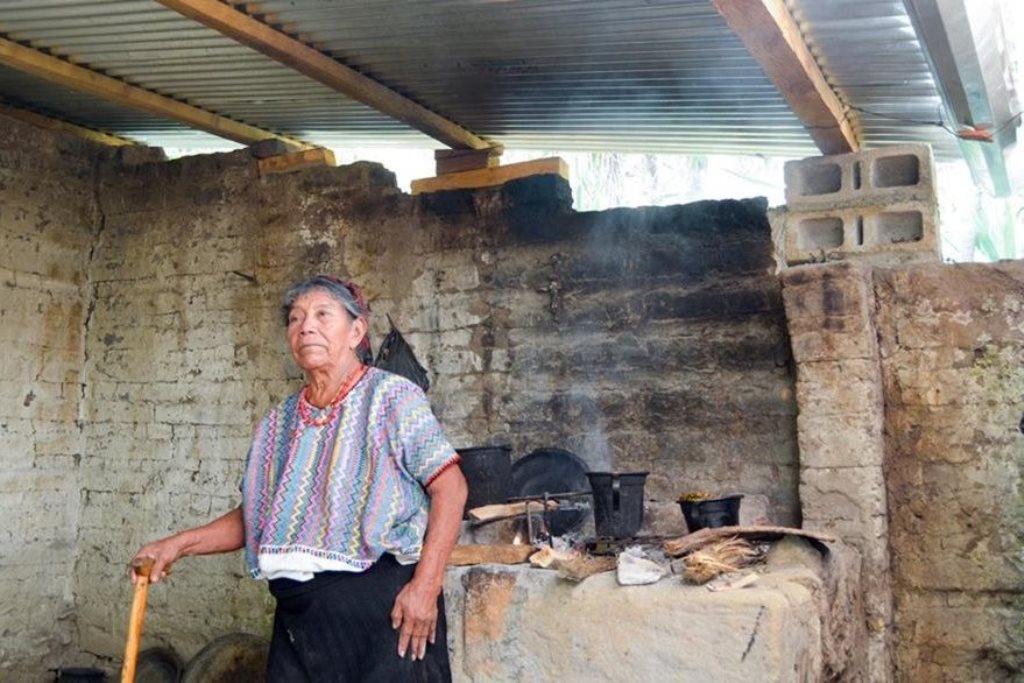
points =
(94, 83)
(491, 177)
(772, 36)
(320, 67)
(49, 123)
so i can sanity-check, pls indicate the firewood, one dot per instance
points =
(583, 566)
(491, 513)
(549, 558)
(698, 539)
(464, 555)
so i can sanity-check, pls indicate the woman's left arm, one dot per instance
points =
(415, 611)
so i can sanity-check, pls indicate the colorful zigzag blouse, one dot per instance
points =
(338, 496)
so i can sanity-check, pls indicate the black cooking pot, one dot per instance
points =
(80, 674)
(618, 502)
(488, 472)
(711, 514)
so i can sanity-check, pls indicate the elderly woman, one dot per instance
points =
(351, 504)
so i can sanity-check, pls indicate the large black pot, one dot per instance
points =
(618, 502)
(488, 472)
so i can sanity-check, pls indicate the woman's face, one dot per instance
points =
(321, 333)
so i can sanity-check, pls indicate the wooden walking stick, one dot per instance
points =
(141, 568)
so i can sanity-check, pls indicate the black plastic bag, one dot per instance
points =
(395, 355)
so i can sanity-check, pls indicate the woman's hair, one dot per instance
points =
(348, 294)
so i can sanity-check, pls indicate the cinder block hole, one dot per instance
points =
(818, 179)
(899, 226)
(820, 233)
(856, 175)
(858, 227)
(897, 171)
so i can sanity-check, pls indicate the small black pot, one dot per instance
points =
(80, 674)
(710, 514)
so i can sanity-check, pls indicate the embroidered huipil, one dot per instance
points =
(338, 496)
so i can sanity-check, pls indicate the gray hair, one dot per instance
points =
(338, 289)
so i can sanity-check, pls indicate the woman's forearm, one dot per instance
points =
(447, 502)
(222, 535)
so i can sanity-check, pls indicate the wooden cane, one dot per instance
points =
(142, 568)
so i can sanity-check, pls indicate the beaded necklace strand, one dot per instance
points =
(335, 404)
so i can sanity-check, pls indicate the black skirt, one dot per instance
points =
(337, 627)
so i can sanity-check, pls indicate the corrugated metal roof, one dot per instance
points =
(871, 56)
(24, 90)
(564, 75)
(654, 75)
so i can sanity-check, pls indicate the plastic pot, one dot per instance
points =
(710, 514)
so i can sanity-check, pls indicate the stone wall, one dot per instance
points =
(48, 220)
(910, 387)
(641, 339)
(831, 316)
(952, 342)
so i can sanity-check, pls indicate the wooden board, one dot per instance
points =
(492, 513)
(458, 160)
(313, 63)
(685, 545)
(283, 163)
(773, 38)
(464, 555)
(59, 126)
(491, 177)
(94, 83)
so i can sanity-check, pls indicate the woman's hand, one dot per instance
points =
(415, 613)
(222, 535)
(163, 553)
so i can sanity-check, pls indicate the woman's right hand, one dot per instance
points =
(163, 554)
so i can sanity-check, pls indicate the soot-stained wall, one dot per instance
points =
(48, 221)
(646, 339)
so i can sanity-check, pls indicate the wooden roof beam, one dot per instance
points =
(59, 126)
(62, 72)
(324, 69)
(773, 38)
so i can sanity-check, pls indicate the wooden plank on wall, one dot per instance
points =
(66, 127)
(490, 177)
(773, 38)
(285, 163)
(320, 67)
(79, 78)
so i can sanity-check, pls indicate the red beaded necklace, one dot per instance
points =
(335, 404)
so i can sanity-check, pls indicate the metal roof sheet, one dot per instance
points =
(654, 75)
(871, 56)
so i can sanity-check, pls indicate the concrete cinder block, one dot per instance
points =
(876, 177)
(901, 232)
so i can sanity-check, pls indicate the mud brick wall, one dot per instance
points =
(640, 339)
(831, 316)
(48, 219)
(910, 389)
(952, 343)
